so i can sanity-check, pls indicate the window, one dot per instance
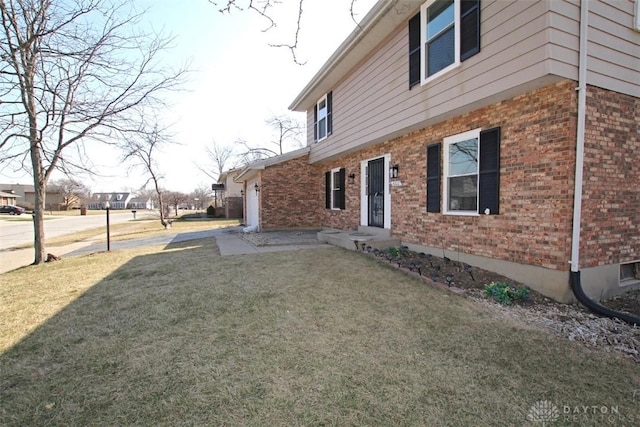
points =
(334, 189)
(471, 168)
(629, 273)
(323, 117)
(461, 172)
(443, 34)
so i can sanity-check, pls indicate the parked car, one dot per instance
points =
(11, 210)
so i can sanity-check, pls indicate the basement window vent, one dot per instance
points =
(629, 273)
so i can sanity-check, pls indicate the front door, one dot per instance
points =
(375, 192)
(253, 211)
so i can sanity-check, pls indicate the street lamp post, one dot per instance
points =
(107, 206)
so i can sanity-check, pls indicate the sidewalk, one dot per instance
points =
(13, 259)
(229, 241)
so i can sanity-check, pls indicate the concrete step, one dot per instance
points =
(357, 240)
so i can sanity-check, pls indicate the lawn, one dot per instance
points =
(179, 335)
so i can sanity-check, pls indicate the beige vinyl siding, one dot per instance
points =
(524, 44)
(614, 47)
(374, 103)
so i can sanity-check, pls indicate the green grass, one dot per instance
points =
(178, 335)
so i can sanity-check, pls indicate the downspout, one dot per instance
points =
(575, 282)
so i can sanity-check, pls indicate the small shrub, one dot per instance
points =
(211, 212)
(399, 252)
(505, 293)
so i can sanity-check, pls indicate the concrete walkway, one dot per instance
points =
(232, 243)
(229, 241)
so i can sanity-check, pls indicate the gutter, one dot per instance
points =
(574, 277)
(582, 107)
(270, 161)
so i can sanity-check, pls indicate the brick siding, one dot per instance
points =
(536, 183)
(611, 201)
(233, 208)
(290, 195)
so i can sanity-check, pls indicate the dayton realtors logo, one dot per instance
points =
(547, 412)
(543, 412)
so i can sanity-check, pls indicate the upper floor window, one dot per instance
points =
(443, 34)
(323, 117)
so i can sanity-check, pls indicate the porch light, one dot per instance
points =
(394, 171)
(352, 178)
(242, 192)
(257, 188)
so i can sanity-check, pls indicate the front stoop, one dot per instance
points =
(358, 240)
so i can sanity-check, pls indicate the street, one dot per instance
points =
(15, 233)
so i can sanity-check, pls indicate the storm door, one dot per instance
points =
(375, 192)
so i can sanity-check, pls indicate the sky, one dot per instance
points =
(238, 81)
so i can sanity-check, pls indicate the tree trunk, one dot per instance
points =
(165, 223)
(39, 186)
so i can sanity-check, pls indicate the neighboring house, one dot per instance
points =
(486, 129)
(140, 203)
(231, 194)
(27, 196)
(8, 198)
(115, 200)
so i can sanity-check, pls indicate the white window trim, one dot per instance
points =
(326, 118)
(333, 187)
(475, 133)
(423, 40)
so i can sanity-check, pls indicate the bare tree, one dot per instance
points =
(203, 195)
(219, 157)
(140, 152)
(264, 8)
(72, 192)
(176, 199)
(73, 72)
(287, 135)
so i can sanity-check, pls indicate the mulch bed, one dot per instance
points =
(570, 321)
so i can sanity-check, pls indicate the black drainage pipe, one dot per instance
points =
(576, 287)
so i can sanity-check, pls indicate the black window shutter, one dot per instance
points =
(433, 178)
(315, 122)
(341, 196)
(469, 28)
(414, 50)
(329, 113)
(489, 169)
(327, 190)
